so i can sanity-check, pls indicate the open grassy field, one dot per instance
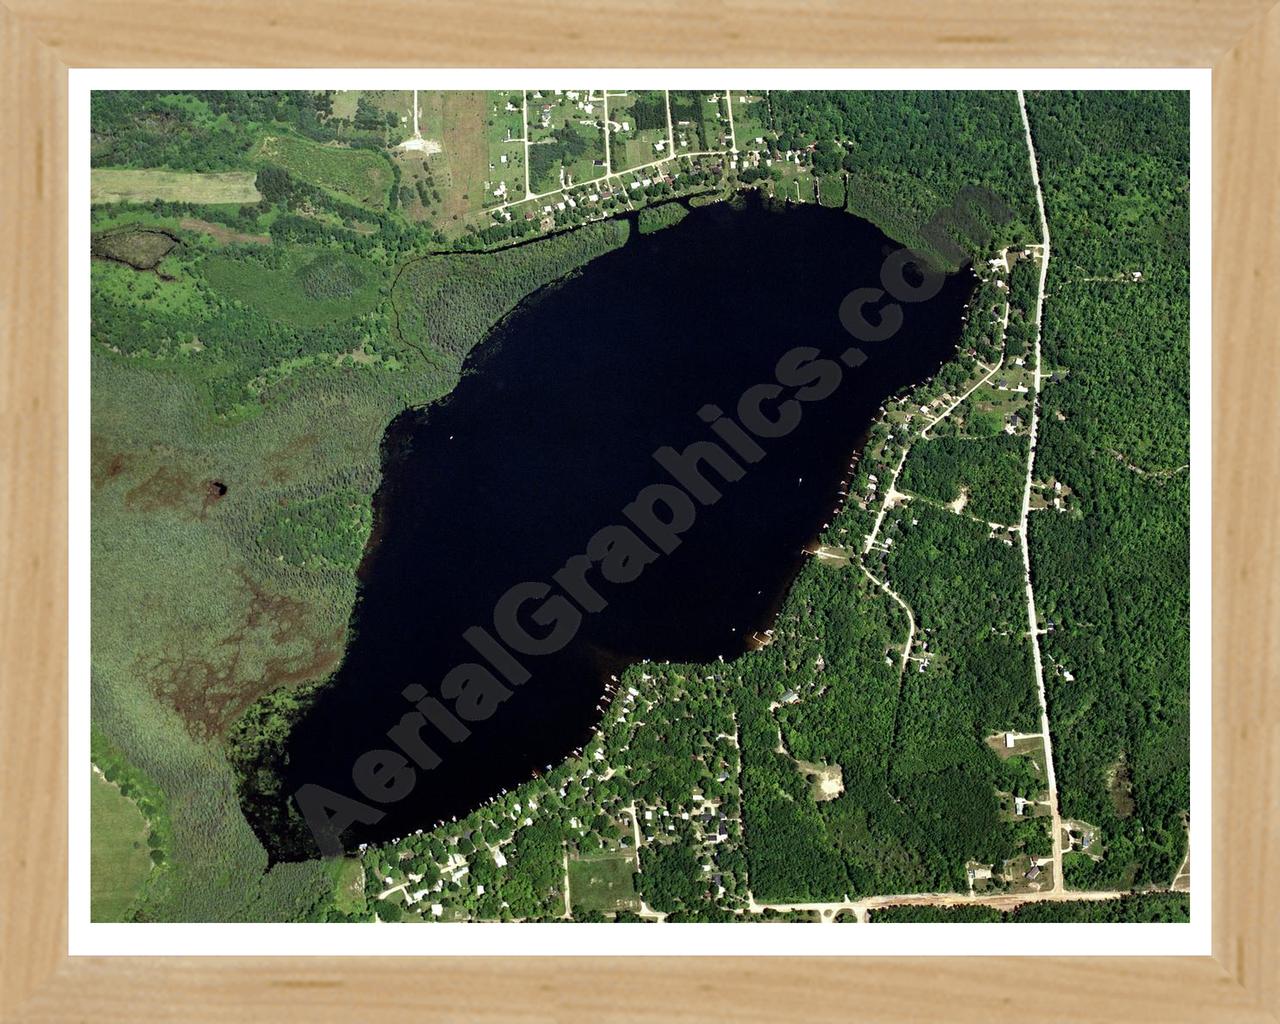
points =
(506, 116)
(119, 855)
(359, 175)
(461, 170)
(603, 884)
(344, 103)
(348, 885)
(750, 119)
(309, 287)
(126, 185)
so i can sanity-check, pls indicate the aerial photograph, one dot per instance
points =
(640, 505)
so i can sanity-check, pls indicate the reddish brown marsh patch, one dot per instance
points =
(273, 643)
(167, 488)
(222, 233)
(107, 466)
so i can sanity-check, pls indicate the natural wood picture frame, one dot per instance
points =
(39, 41)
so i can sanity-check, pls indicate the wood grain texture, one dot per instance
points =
(33, 511)
(1246, 460)
(38, 40)
(659, 33)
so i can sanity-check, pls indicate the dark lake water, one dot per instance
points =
(550, 433)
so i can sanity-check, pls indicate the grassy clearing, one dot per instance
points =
(120, 185)
(308, 287)
(461, 114)
(461, 170)
(344, 103)
(361, 175)
(348, 885)
(119, 856)
(603, 884)
(221, 233)
(506, 117)
(750, 114)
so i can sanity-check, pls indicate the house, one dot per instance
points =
(1008, 741)
(1034, 873)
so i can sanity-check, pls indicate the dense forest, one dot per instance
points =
(909, 155)
(1112, 574)
(1144, 908)
(987, 471)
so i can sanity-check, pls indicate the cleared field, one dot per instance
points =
(222, 233)
(348, 885)
(506, 117)
(360, 175)
(344, 103)
(750, 112)
(119, 856)
(462, 117)
(603, 884)
(123, 185)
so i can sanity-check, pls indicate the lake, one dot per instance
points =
(549, 435)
